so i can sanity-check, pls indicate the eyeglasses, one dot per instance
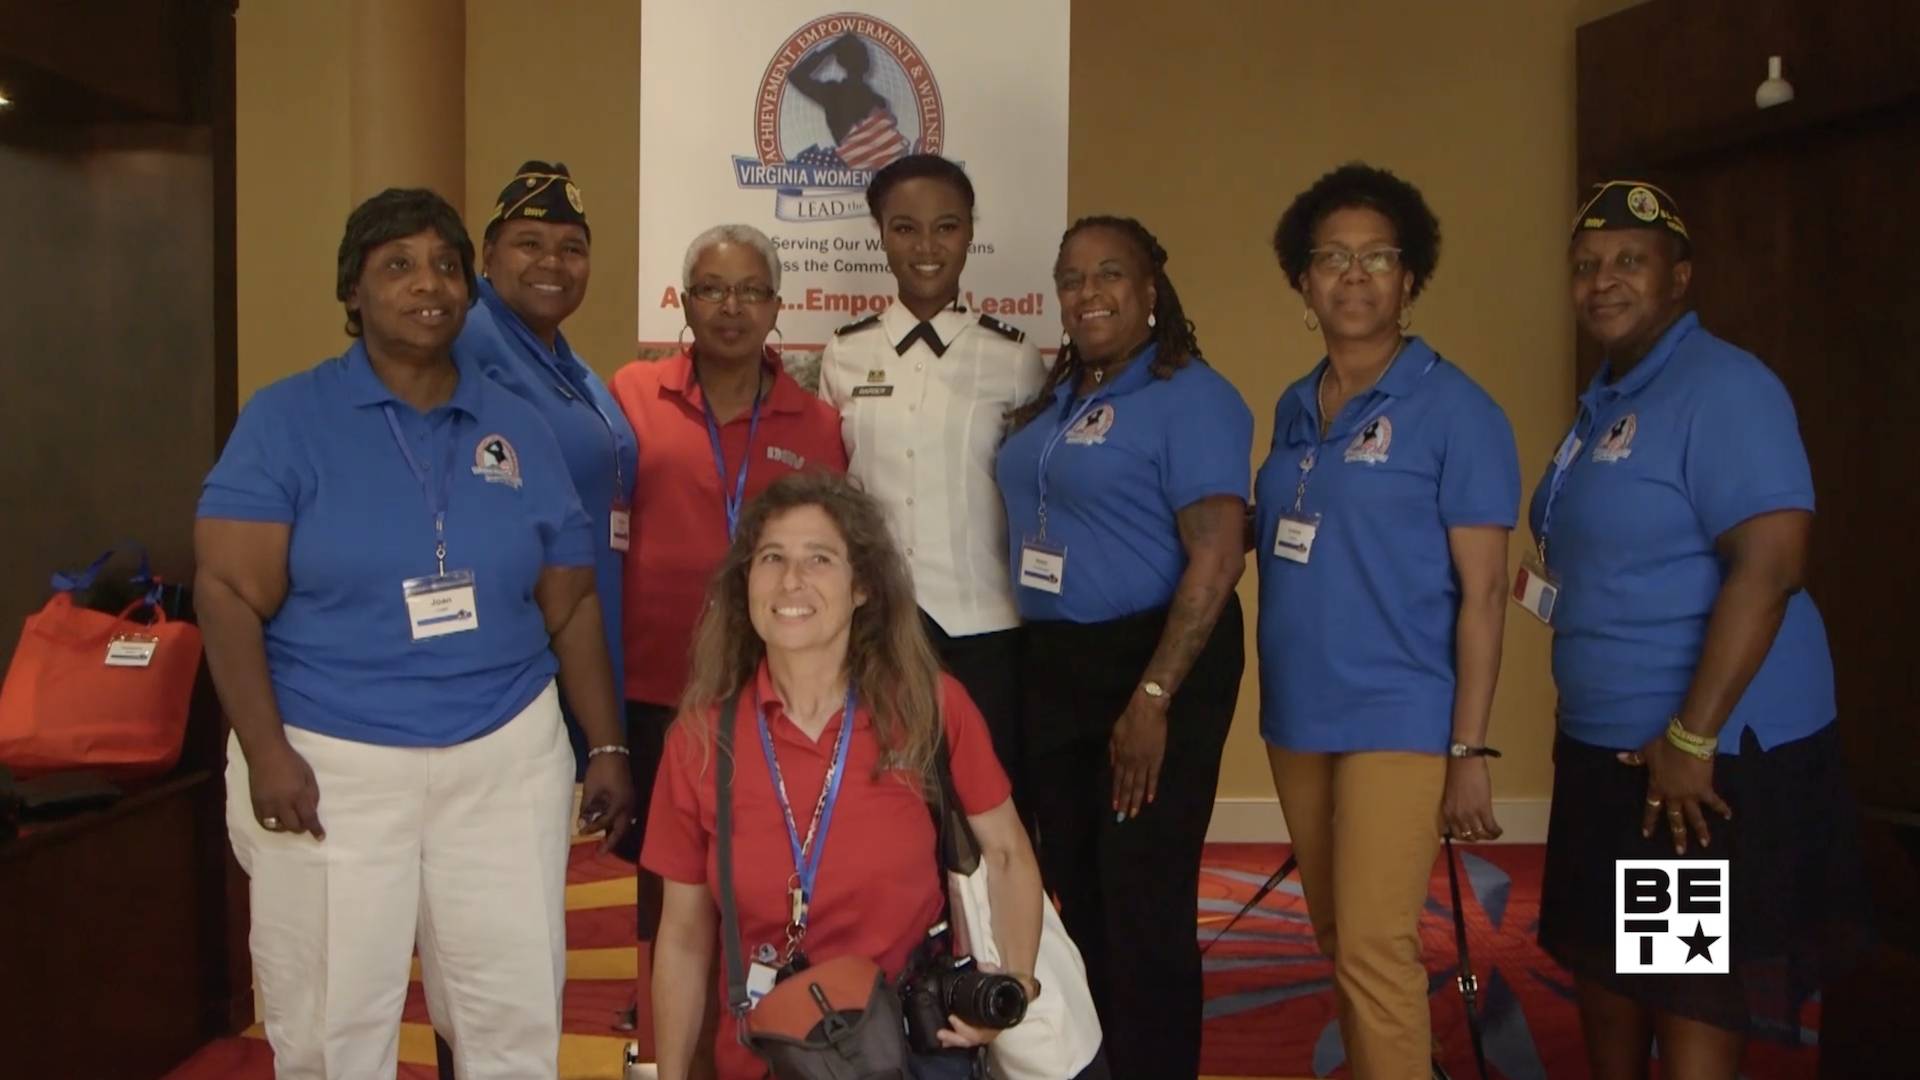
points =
(748, 292)
(1338, 260)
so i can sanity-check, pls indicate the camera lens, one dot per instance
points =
(983, 1000)
(1004, 1004)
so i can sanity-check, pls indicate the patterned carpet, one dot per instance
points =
(1269, 1012)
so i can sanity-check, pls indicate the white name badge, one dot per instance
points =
(619, 525)
(1536, 591)
(131, 650)
(760, 980)
(1293, 539)
(1043, 566)
(440, 605)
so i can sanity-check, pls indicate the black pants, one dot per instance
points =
(1129, 891)
(988, 665)
(646, 743)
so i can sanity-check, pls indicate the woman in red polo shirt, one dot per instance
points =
(716, 423)
(812, 623)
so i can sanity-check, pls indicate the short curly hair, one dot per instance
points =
(1356, 184)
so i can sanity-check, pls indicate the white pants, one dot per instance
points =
(468, 845)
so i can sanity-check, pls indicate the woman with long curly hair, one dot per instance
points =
(811, 626)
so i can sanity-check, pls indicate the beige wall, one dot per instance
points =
(1201, 119)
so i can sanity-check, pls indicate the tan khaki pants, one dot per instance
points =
(1365, 828)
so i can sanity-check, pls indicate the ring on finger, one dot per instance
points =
(1651, 801)
(270, 823)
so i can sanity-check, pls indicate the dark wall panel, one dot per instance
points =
(107, 378)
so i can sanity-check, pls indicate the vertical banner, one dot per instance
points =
(776, 114)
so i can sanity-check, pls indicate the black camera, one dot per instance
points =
(949, 986)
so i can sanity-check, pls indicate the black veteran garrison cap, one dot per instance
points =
(1631, 204)
(540, 192)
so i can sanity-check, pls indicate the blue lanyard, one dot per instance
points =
(570, 390)
(733, 500)
(1313, 452)
(437, 499)
(1563, 459)
(1074, 416)
(807, 852)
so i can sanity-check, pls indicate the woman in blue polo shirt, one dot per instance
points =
(1125, 486)
(393, 569)
(1383, 511)
(535, 261)
(1696, 715)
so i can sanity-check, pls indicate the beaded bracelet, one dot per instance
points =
(608, 749)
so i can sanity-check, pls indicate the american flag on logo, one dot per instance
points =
(874, 142)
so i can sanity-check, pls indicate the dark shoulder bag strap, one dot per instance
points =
(1469, 984)
(736, 971)
(958, 849)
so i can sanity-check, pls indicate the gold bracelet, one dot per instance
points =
(1680, 732)
(1689, 743)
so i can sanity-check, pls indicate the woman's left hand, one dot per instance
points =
(606, 799)
(1138, 745)
(1682, 786)
(1466, 811)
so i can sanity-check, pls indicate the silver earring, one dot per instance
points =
(1066, 339)
(1313, 321)
(779, 347)
(1151, 321)
(682, 339)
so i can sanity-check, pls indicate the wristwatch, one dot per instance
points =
(1153, 689)
(1462, 750)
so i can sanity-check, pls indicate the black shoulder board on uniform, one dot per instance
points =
(1002, 329)
(858, 325)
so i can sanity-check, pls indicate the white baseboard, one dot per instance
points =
(1259, 821)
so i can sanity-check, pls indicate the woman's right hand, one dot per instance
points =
(286, 797)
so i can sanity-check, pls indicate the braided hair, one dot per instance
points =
(1172, 332)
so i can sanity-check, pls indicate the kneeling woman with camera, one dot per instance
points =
(811, 631)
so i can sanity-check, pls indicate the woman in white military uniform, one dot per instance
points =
(923, 390)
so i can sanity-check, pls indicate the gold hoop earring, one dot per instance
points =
(682, 339)
(1311, 320)
(1406, 316)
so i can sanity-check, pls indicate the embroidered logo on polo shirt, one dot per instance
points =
(1372, 443)
(786, 457)
(494, 460)
(1091, 429)
(1618, 443)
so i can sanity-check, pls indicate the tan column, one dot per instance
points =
(408, 99)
